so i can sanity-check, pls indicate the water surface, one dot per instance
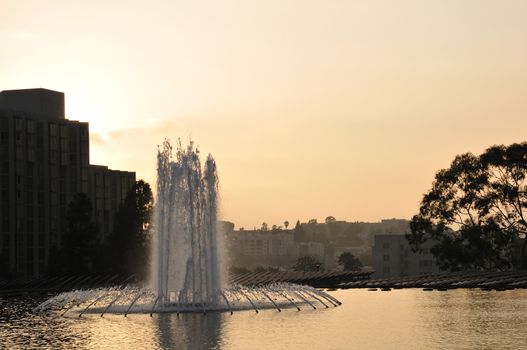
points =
(399, 319)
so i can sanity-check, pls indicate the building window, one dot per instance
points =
(386, 257)
(5, 196)
(4, 123)
(19, 123)
(3, 138)
(386, 245)
(52, 130)
(20, 153)
(386, 269)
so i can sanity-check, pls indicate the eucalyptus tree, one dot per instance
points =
(476, 211)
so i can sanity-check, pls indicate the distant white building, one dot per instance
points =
(393, 257)
(265, 243)
(256, 248)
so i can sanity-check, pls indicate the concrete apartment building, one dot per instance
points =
(276, 248)
(253, 248)
(44, 162)
(393, 257)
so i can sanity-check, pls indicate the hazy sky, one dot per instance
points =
(311, 108)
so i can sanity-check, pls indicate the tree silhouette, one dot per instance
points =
(476, 211)
(286, 224)
(80, 251)
(307, 263)
(330, 219)
(128, 249)
(349, 262)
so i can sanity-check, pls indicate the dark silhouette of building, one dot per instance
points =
(108, 189)
(42, 102)
(44, 162)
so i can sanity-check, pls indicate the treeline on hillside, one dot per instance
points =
(126, 249)
(332, 231)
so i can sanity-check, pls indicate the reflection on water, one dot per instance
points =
(189, 331)
(400, 319)
(476, 319)
(20, 329)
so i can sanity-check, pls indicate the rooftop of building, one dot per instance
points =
(44, 102)
(104, 168)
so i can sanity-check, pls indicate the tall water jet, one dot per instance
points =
(188, 268)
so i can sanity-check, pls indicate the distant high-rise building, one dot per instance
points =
(44, 162)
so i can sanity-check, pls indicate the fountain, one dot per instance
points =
(187, 265)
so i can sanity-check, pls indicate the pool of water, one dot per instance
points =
(399, 319)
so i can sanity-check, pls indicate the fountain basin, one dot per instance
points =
(133, 300)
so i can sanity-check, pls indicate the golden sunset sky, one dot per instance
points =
(311, 108)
